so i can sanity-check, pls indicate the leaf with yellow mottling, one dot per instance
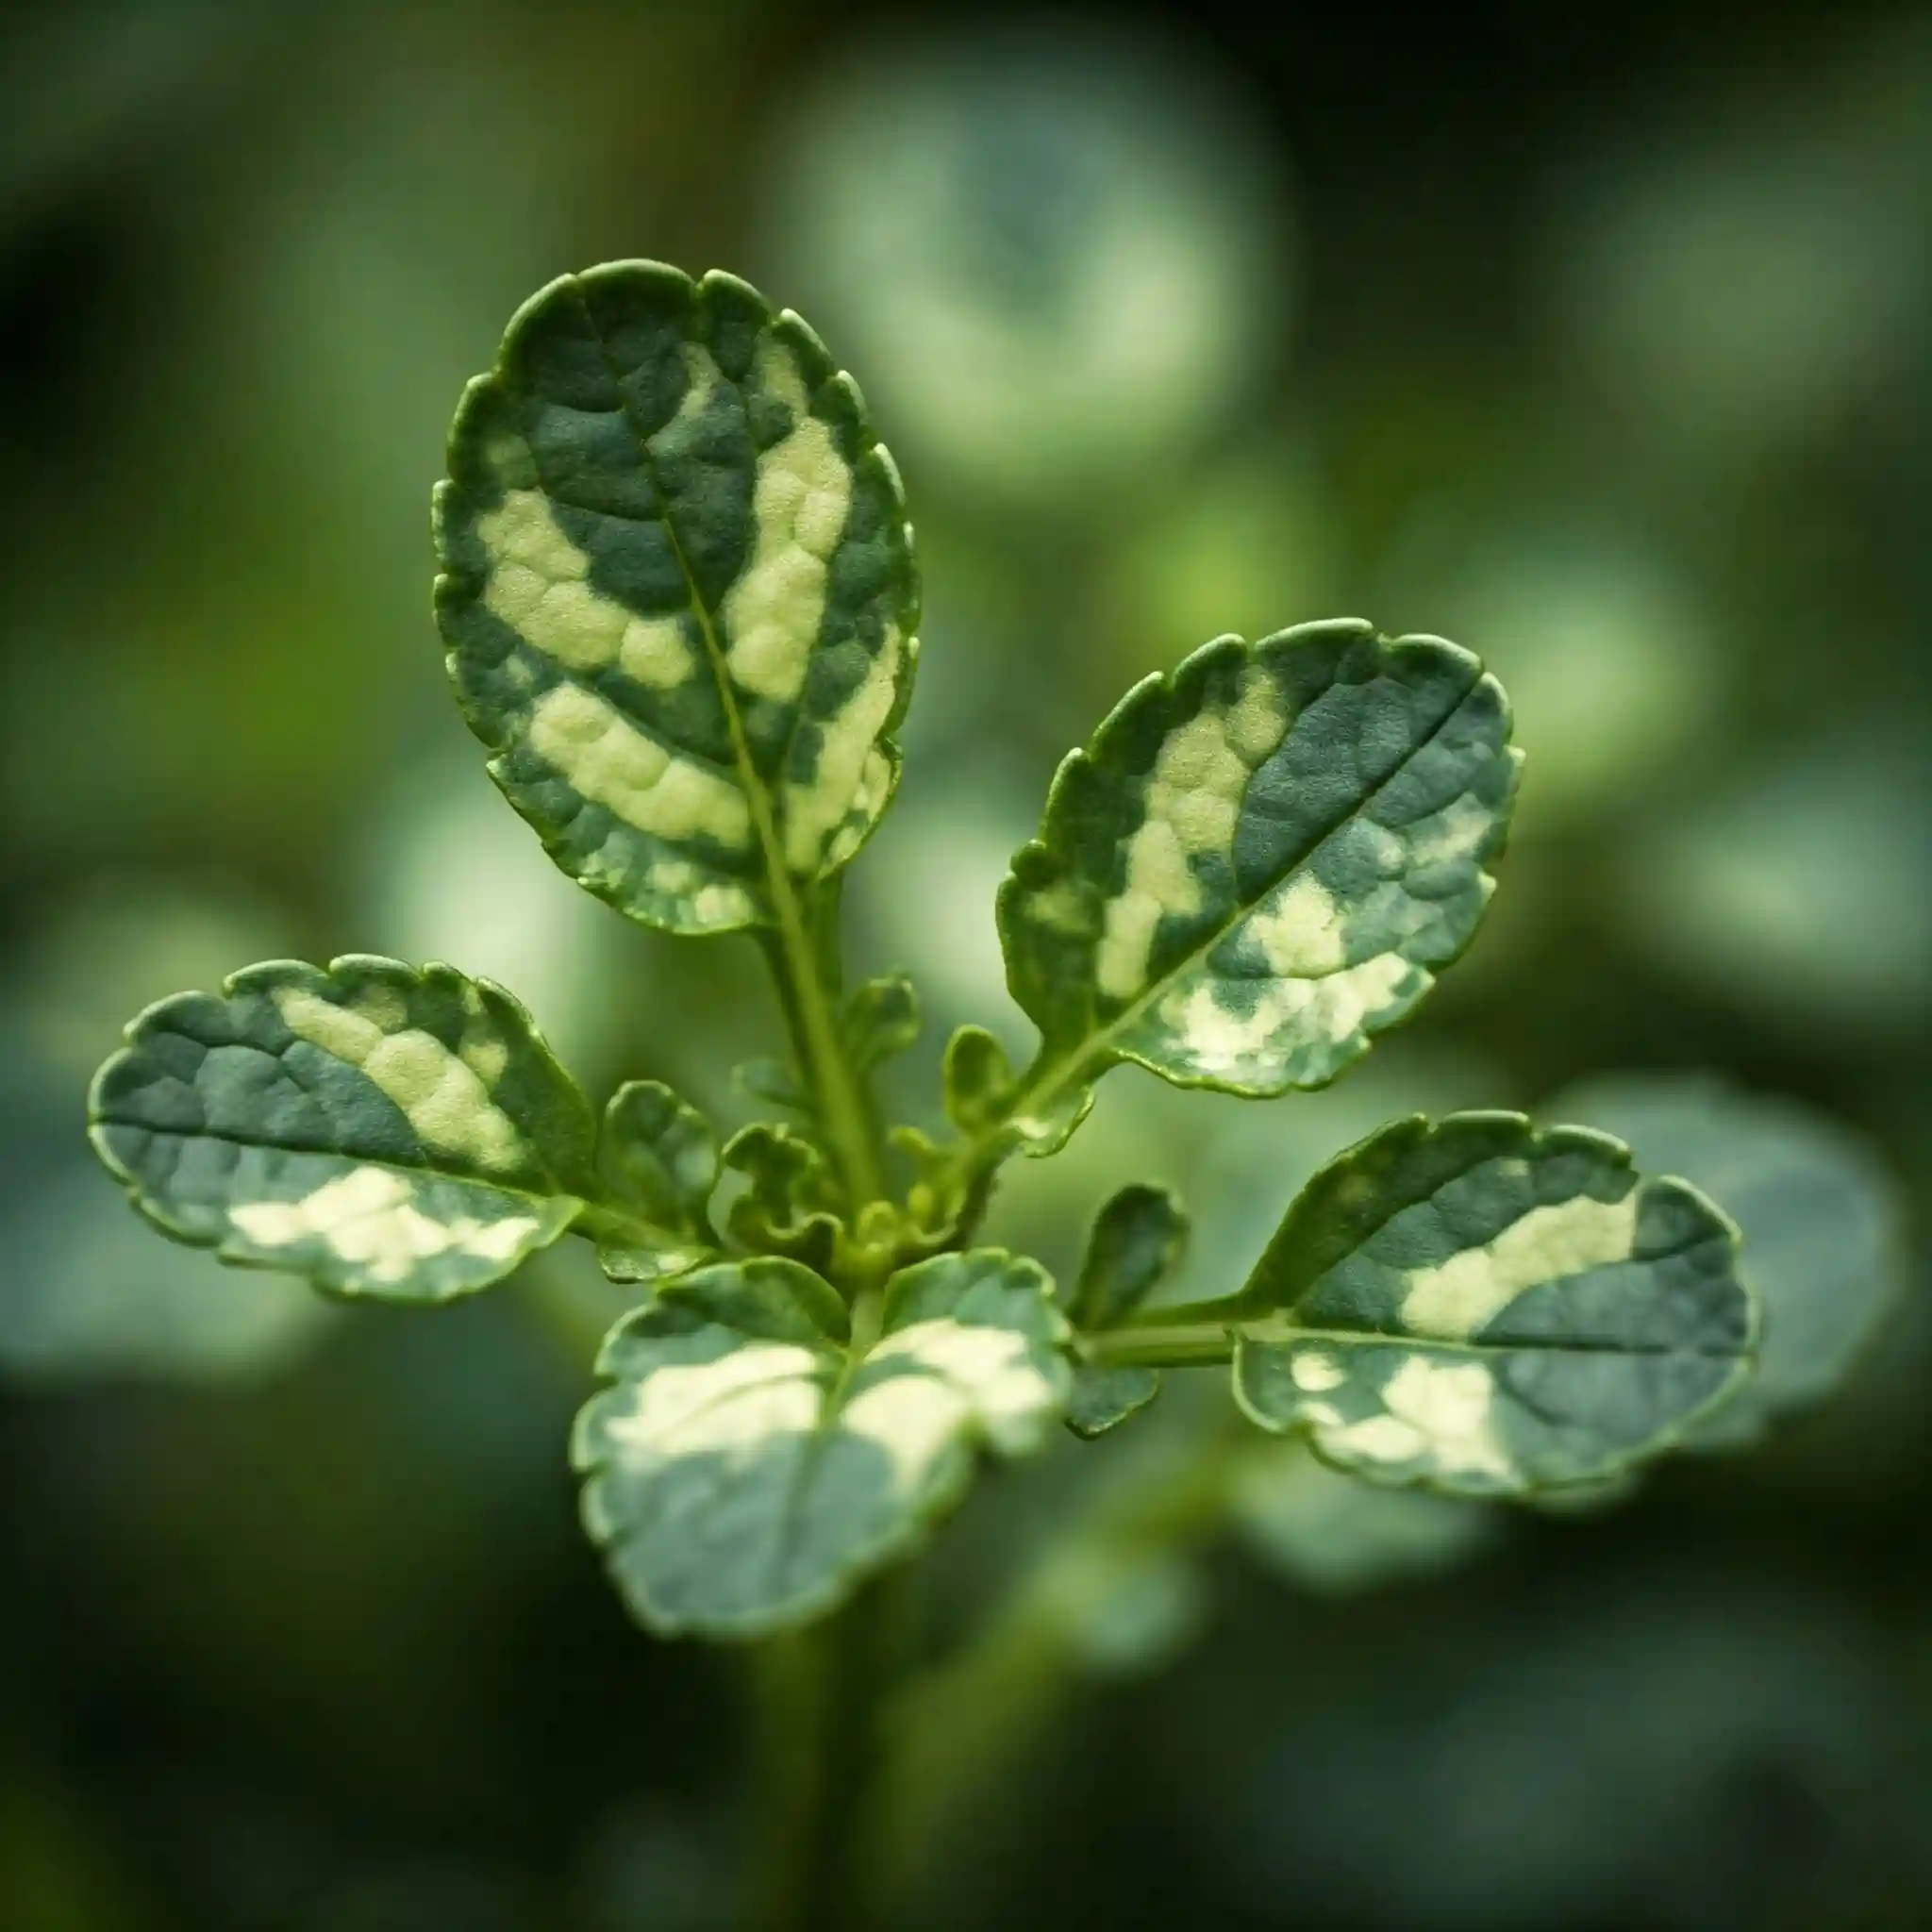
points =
(752, 1465)
(678, 595)
(379, 1129)
(1259, 862)
(1489, 1308)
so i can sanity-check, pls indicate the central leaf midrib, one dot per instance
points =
(843, 1106)
(778, 878)
(388, 1165)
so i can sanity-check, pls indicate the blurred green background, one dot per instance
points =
(1596, 339)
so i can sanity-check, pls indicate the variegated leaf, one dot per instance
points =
(380, 1130)
(1491, 1309)
(750, 1467)
(1261, 861)
(679, 593)
(1820, 1215)
(1137, 1241)
(662, 1156)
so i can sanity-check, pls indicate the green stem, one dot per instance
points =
(964, 1729)
(1158, 1348)
(798, 957)
(822, 1690)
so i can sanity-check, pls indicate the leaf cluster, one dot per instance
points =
(679, 599)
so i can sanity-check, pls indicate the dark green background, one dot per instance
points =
(1593, 338)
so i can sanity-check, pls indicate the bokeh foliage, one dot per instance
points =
(1604, 356)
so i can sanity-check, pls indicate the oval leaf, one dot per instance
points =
(679, 593)
(1137, 1241)
(749, 1469)
(1491, 1309)
(1103, 1398)
(663, 1155)
(1261, 861)
(381, 1130)
(1819, 1213)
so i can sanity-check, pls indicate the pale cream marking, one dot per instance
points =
(614, 764)
(1287, 1014)
(994, 1365)
(738, 1401)
(368, 1218)
(778, 375)
(1059, 909)
(1455, 1297)
(505, 455)
(1314, 1373)
(869, 799)
(720, 905)
(799, 504)
(485, 1055)
(445, 1102)
(1450, 835)
(442, 1099)
(915, 1419)
(1378, 1439)
(1301, 930)
(385, 1006)
(1438, 1414)
(539, 586)
(1258, 720)
(674, 876)
(702, 377)
(1448, 1409)
(656, 652)
(967, 1369)
(349, 1036)
(815, 810)
(1191, 805)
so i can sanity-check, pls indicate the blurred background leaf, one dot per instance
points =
(1595, 341)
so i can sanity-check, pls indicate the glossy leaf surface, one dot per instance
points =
(749, 1468)
(379, 1129)
(1491, 1309)
(679, 593)
(1261, 861)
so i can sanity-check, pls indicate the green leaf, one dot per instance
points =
(1819, 1216)
(790, 1206)
(880, 1021)
(1137, 1241)
(1103, 1397)
(678, 595)
(1262, 861)
(663, 1156)
(1490, 1309)
(751, 1466)
(380, 1130)
(982, 1092)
